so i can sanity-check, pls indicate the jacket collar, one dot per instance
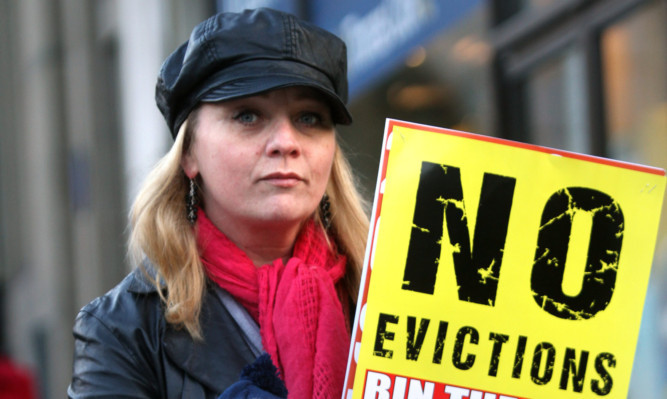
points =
(218, 359)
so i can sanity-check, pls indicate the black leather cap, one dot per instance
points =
(233, 55)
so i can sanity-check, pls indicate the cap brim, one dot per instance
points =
(250, 81)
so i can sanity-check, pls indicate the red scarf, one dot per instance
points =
(302, 321)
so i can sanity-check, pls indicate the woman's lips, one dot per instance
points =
(283, 179)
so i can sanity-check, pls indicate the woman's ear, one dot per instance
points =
(189, 165)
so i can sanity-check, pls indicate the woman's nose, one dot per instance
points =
(283, 140)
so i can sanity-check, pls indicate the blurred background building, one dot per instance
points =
(79, 129)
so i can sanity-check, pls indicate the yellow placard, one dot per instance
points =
(500, 270)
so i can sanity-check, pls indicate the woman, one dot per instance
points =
(250, 231)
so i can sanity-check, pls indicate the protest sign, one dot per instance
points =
(497, 270)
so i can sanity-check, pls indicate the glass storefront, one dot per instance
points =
(556, 105)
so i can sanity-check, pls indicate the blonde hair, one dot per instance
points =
(162, 233)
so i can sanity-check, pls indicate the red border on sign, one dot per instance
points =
(532, 147)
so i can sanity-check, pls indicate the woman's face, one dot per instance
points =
(264, 160)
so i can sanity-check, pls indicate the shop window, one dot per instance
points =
(555, 93)
(550, 67)
(635, 86)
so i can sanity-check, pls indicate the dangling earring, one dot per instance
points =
(191, 203)
(325, 212)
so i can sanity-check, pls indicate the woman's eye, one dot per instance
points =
(246, 117)
(310, 118)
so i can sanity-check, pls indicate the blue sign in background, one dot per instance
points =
(379, 34)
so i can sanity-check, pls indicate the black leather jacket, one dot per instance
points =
(125, 349)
